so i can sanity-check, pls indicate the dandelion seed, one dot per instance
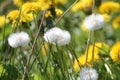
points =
(18, 39)
(94, 21)
(57, 36)
(87, 73)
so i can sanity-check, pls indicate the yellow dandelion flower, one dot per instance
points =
(18, 2)
(115, 52)
(116, 22)
(30, 7)
(82, 58)
(107, 17)
(99, 48)
(59, 12)
(3, 21)
(84, 5)
(44, 4)
(76, 7)
(59, 1)
(13, 15)
(48, 14)
(26, 17)
(109, 7)
(27, 11)
(82, 61)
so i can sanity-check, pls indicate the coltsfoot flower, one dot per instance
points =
(18, 39)
(57, 36)
(94, 21)
(87, 73)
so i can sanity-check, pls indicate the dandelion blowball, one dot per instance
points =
(18, 39)
(87, 73)
(57, 36)
(94, 21)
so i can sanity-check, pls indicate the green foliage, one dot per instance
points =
(55, 62)
(8, 71)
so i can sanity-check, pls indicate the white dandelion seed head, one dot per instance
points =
(94, 21)
(57, 36)
(87, 73)
(18, 39)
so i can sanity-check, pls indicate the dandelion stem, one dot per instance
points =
(93, 33)
(87, 48)
(36, 55)
(28, 61)
(75, 56)
(65, 12)
(93, 6)
(93, 42)
(89, 35)
(3, 35)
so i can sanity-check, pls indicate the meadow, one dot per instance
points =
(59, 39)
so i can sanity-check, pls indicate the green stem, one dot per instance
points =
(87, 48)
(93, 42)
(65, 12)
(33, 46)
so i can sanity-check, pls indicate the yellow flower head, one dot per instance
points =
(109, 7)
(30, 7)
(84, 5)
(49, 2)
(76, 7)
(23, 16)
(58, 13)
(99, 48)
(115, 52)
(116, 22)
(13, 15)
(26, 17)
(28, 10)
(3, 21)
(107, 17)
(59, 1)
(18, 2)
(44, 4)
(82, 59)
